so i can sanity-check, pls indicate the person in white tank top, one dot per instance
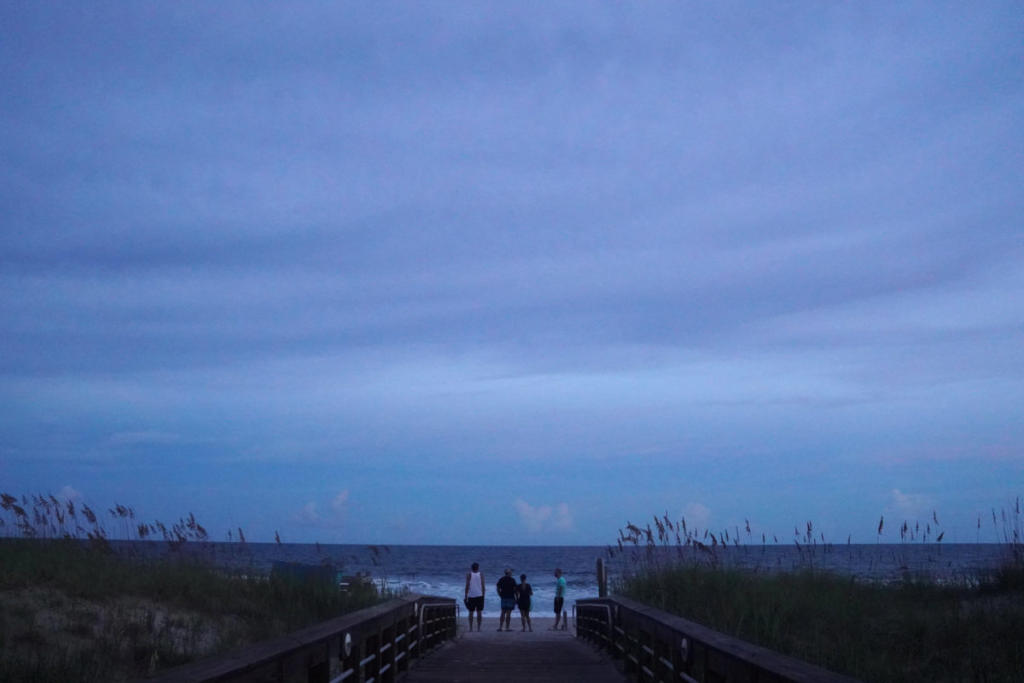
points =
(475, 595)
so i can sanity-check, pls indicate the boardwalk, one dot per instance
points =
(492, 657)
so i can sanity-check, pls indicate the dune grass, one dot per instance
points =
(910, 630)
(72, 608)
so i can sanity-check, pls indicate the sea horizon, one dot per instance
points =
(441, 569)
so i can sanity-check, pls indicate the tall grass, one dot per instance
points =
(74, 606)
(911, 630)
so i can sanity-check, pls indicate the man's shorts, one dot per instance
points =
(475, 604)
(508, 604)
(558, 605)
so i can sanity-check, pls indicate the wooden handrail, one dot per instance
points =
(373, 644)
(657, 646)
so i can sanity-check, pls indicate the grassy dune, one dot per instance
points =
(73, 609)
(913, 630)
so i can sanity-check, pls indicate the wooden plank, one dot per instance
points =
(540, 656)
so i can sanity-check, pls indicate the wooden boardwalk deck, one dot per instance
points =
(493, 657)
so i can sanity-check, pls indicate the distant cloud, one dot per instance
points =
(544, 517)
(338, 504)
(68, 493)
(333, 516)
(308, 514)
(697, 515)
(910, 503)
(142, 438)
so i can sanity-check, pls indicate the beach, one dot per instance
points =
(490, 626)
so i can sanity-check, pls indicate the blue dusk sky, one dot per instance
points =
(514, 273)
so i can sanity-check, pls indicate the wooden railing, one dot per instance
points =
(657, 646)
(369, 646)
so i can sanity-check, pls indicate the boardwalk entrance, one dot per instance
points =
(492, 657)
(417, 638)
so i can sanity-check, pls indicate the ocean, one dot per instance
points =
(441, 570)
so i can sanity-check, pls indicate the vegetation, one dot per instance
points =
(910, 630)
(74, 608)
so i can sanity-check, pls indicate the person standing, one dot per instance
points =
(507, 592)
(524, 592)
(559, 600)
(475, 595)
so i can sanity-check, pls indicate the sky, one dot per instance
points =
(494, 273)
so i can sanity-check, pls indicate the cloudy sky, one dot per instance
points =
(491, 273)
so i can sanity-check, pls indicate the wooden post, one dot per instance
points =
(602, 579)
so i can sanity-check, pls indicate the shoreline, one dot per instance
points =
(540, 624)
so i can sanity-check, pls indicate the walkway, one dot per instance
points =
(492, 657)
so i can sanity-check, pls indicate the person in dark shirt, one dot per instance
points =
(523, 593)
(507, 592)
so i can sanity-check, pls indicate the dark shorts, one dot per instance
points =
(508, 604)
(524, 605)
(475, 604)
(558, 605)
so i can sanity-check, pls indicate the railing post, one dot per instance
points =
(602, 579)
(353, 661)
(415, 631)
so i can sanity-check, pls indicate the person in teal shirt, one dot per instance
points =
(560, 600)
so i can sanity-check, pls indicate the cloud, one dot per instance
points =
(338, 504)
(697, 515)
(142, 438)
(313, 514)
(309, 514)
(910, 503)
(68, 493)
(544, 517)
